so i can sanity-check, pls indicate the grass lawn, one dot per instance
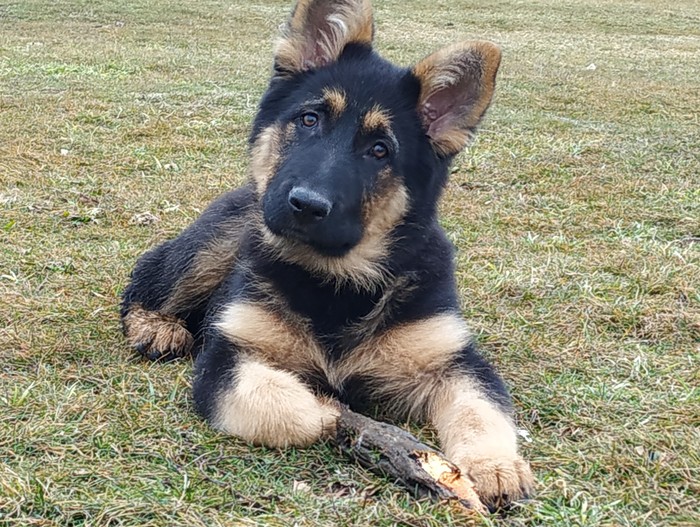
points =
(576, 212)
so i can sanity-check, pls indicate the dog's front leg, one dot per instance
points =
(431, 369)
(247, 380)
(479, 436)
(271, 407)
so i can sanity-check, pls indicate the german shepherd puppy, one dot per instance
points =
(328, 278)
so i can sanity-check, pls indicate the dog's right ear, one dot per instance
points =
(319, 30)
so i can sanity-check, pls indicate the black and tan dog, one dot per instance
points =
(328, 278)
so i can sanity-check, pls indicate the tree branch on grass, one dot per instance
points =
(390, 451)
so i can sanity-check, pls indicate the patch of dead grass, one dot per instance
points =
(575, 214)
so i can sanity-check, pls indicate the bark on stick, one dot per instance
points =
(390, 451)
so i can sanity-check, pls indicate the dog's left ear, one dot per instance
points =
(319, 30)
(457, 84)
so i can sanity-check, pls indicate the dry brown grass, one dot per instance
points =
(577, 215)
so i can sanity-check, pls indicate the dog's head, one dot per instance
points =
(346, 145)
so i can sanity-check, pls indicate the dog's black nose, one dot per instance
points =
(308, 205)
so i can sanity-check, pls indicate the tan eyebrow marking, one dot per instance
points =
(336, 100)
(376, 119)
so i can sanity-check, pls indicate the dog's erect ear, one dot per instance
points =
(457, 84)
(319, 30)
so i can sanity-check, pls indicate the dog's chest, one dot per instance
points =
(337, 318)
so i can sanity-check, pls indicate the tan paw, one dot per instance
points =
(500, 480)
(157, 336)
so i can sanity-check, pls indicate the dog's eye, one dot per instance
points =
(379, 150)
(309, 119)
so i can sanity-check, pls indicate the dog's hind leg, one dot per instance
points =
(164, 304)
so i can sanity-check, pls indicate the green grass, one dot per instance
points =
(577, 216)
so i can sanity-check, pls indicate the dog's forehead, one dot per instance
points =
(365, 106)
(370, 90)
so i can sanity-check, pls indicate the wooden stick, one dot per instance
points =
(390, 451)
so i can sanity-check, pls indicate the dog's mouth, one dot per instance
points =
(333, 249)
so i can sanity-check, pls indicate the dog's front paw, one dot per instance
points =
(157, 336)
(499, 480)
